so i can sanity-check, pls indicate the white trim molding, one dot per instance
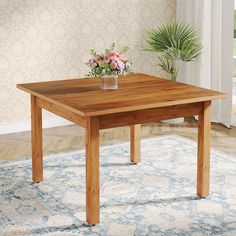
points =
(20, 126)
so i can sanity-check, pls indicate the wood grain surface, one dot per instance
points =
(92, 171)
(37, 141)
(136, 92)
(135, 143)
(140, 98)
(204, 143)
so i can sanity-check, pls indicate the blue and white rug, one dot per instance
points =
(155, 197)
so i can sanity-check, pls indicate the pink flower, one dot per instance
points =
(123, 57)
(114, 54)
(113, 65)
(107, 58)
(92, 63)
(120, 65)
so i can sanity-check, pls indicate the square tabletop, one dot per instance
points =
(136, 92)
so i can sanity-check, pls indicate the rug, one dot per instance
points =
(155, 197)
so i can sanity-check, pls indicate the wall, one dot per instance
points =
(50, 40)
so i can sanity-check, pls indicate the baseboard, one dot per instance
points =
(20, 126)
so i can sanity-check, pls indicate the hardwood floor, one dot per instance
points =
(70, 138)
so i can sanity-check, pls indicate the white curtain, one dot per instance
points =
(213, 69)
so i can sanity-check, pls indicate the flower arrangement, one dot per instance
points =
(110, 62)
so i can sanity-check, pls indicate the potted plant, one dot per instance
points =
(108, 65)
(174, 42)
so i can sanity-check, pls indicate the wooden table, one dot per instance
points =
(140, 99)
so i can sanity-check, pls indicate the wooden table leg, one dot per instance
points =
(135, 143)
(92, 171)
(203, 161)
(37, 146)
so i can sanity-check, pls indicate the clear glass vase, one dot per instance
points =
(109, 82)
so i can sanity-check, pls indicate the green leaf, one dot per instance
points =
(174, 41)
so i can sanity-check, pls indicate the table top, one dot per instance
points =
(136, 92)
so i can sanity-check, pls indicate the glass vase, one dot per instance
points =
(109, 82)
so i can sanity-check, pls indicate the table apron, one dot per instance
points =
(126, 118)
(61, 111)
(149, 115)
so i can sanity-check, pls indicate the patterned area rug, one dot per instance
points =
(155, 197)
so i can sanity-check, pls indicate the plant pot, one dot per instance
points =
(173, 121)
(109, 82)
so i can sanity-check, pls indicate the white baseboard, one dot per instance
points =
(19, 126)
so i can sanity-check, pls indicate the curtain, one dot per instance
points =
(213, 69)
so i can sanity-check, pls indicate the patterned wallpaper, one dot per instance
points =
(50, 39)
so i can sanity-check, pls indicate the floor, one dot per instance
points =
(70, 138)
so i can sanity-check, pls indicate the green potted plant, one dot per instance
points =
(174, 42)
